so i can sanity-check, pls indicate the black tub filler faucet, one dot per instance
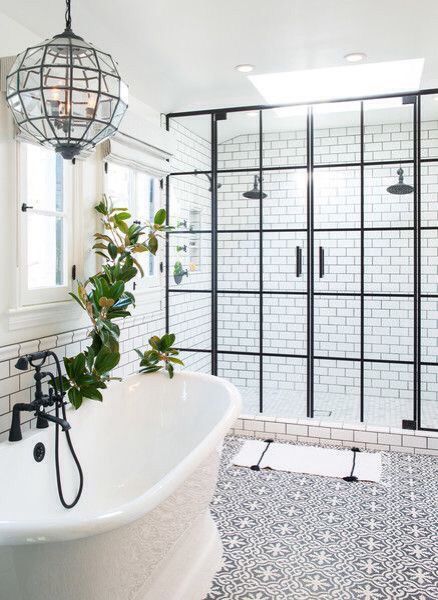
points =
(38, 406)
(41, 401)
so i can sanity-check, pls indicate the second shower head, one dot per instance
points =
(401, 187)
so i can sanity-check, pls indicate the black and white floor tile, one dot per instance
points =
(297, 537)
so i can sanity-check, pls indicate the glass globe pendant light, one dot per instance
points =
(66, 94)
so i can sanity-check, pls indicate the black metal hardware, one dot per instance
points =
(161, 266)
(408, 424)
(41, 401)
(299, 261)
(73, 273)
(39, 452)
(25, 207)
(71, 94)
(105, 167)
(321, 262)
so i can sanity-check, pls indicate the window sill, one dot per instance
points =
(42, 314)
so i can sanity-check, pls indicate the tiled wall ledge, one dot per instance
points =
(310, 431)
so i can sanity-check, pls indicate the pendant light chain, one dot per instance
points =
(68, 15)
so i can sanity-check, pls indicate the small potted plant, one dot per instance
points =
(179, 272)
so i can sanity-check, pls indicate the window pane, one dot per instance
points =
(119, 186)
(45, 251)
(44, 179)
(144, 211)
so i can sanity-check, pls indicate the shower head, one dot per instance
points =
(254, 194)
(218, 185)
(400, 188)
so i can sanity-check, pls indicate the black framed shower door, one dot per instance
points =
(315, 248)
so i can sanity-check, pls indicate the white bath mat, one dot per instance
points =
(346, 464)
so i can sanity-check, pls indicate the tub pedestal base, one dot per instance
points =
(190, 568)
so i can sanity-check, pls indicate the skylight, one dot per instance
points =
(352, 81)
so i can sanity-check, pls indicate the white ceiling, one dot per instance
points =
(180, 54)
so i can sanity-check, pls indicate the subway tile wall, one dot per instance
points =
(18, 386)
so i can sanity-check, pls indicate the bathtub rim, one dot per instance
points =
(73, 525)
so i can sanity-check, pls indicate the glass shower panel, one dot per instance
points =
(429, 396)
(238, 261)
(337, 326)
(190, 261)
(429, 330)
(193, 143)
(429, 126)
(238, 322)
(382, 209)
(388, 393)
(285, 205)
(337, 197)
(389, 262)
(285, 387)
(429, 193)
(190, 202)
(389, 129)
(238, 139)
(284, 324)
(429, 261)
(196, 361)
(336, 390)
(190, 319)
(243, 371)
(284, 261)
(285, 137)
(336, 133)
(235, 210)
(337, 261)
(389, 328)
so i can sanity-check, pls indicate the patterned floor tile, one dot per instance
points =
(290, 536)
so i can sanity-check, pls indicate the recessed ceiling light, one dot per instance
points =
(246, 68)
(358, 81)
(355, 57)
(252, 114)
(435, 98)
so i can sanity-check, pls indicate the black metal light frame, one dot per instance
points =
(416, 161)
(66, 94)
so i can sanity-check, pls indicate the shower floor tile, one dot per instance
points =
(335, 407)
(299, 537)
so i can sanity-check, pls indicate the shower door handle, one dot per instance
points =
(299, 261)
(321, 262)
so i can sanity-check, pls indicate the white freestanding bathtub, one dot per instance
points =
(142, 529)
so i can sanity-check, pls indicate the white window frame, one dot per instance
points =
(149, 283)
(44, 295)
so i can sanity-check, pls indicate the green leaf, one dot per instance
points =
(77, 366)
(112, 250)
(116, 290)
(154, 341)
(170, 370)
(176, 361)
(167, 340)
(150, 369)
(123, 216)
(153, 244)
(92, 393)
(106, 360)
(75, 397)
(160, 217)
